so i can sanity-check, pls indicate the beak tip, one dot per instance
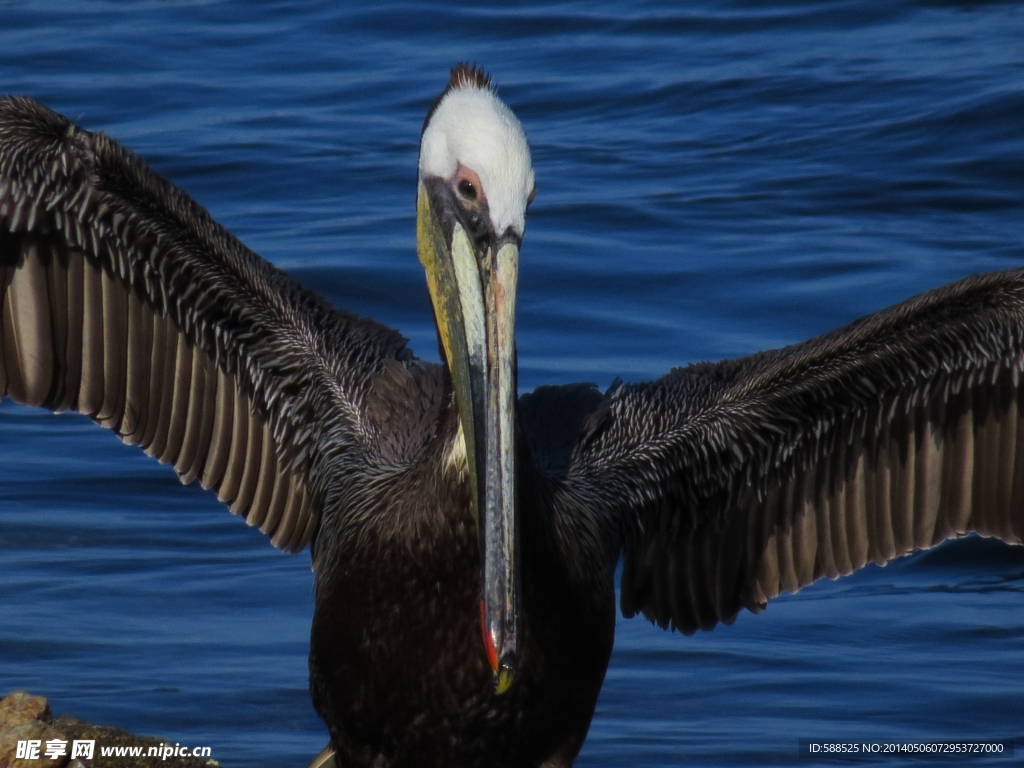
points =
(503, 678)
(503, 667)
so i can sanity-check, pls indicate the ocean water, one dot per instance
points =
(714, 178)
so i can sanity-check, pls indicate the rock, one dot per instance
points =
(24, 717)
(22, 707)
(36, 730)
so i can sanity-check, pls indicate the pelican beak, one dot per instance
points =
(472, 282)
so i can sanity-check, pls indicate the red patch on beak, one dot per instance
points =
(492, 652)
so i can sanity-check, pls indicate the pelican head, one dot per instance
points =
(475, 182)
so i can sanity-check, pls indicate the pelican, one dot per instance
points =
(465, 538)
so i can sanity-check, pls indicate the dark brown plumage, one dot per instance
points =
(721, 485)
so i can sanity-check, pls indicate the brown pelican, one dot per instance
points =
(465, 539)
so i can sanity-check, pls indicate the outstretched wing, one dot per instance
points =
(122, 299)
(728, 483)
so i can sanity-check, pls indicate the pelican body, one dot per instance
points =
(464, 538)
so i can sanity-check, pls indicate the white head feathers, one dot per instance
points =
(471, 126)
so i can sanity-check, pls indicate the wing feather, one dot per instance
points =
(90, 393)
(122, 299)
(726, 484)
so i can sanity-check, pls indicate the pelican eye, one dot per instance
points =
(467, 190)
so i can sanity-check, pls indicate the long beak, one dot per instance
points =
(474, 297)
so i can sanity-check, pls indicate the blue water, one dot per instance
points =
(713, 178)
